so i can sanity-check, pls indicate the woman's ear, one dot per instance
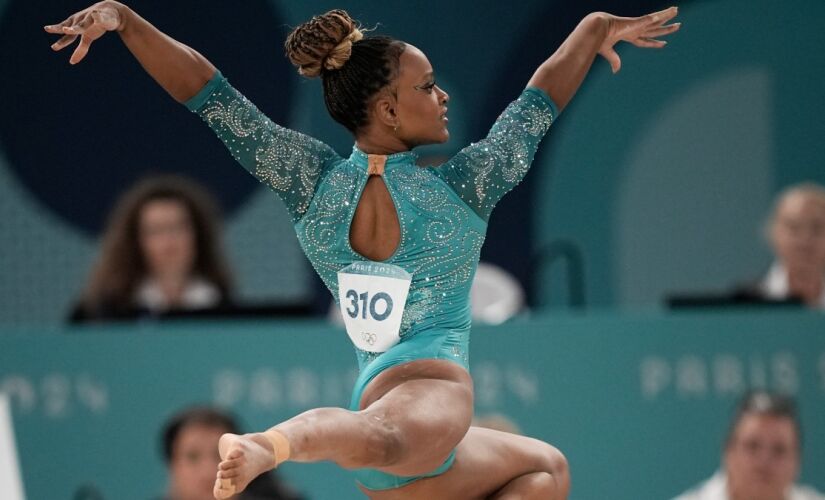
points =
(384, 110)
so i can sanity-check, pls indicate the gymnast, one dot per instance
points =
(395, 243)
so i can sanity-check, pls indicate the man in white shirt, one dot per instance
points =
(796, 231)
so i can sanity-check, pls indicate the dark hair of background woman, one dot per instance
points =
(121, 267)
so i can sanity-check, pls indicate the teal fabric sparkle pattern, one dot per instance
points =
(443, 213)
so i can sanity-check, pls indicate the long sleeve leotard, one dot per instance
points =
(443, 211)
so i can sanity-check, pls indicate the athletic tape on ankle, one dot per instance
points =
(280, 444)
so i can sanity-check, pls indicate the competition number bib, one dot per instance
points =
(372, 299)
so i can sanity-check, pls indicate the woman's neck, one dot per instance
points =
(380, 144)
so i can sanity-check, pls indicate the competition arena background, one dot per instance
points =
(659, 177)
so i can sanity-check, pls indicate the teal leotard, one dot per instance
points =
(442, 211)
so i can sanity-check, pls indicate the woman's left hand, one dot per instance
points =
(640, 31)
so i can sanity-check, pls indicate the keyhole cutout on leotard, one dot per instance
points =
(375, 232)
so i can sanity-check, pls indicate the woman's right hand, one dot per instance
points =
(88, 24)
(640, 31)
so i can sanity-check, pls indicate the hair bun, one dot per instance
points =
(322, 43)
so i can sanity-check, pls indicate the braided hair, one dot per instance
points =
(353, 68)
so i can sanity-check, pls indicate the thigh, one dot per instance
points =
(427, 405)
(486, 460)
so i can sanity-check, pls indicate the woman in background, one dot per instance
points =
(190, 450)
(161, 253)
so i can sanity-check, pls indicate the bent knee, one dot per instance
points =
(555, 464)
(541, 485)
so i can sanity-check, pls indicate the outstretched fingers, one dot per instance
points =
(648, 39)
(89, 25)
(57, 29)
(81, 50)
(90, 28)
(658, 31)
(648, 43)
(663, 16)
(655, 27)
(61, 29)
(64, 41)
(72, 28)
(80, 26)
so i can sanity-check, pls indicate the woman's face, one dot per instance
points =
(421, 106)
(798, 233)
(167, 239)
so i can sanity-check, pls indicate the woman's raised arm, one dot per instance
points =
(179, 69)
(561, 75)
(287, 161)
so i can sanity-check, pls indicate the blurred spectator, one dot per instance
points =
(190, 448)
(796, 231)
(161, 252)
(496, 295)
(761, 456)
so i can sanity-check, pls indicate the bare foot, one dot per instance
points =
(243, 458)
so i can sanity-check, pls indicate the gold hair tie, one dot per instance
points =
(341, 52)
(355, 35)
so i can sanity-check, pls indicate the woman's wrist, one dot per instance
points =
(597, 23)
(123, 13)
